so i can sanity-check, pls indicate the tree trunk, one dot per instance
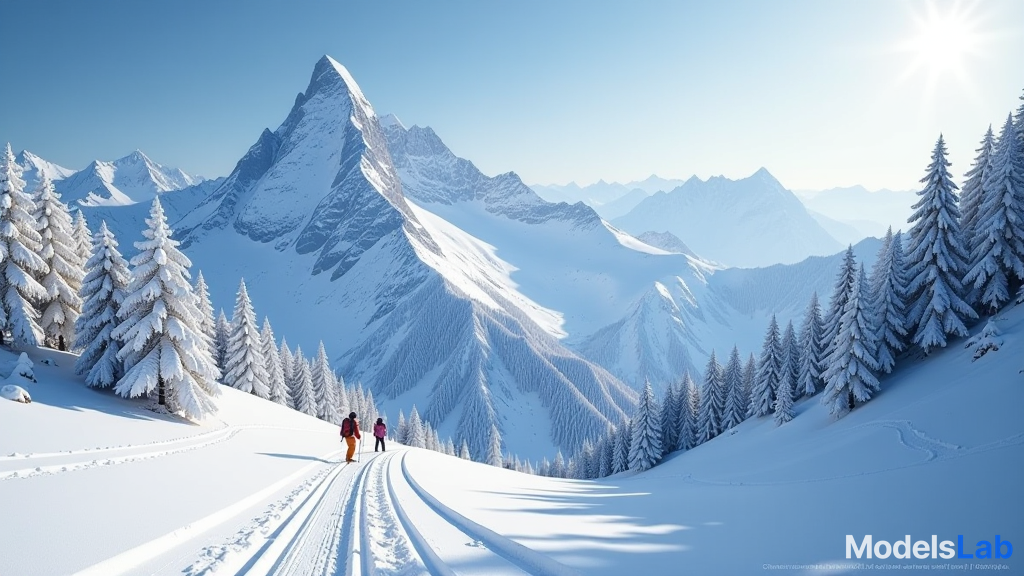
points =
(161, 400)
(60, 343)
(851, 400)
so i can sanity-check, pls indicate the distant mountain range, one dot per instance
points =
(128, 180)
(750, 222)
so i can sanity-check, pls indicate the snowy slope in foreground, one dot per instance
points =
(105, 486)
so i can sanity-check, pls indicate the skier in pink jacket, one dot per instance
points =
(380, 431)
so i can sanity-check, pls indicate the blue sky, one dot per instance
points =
(821, 93)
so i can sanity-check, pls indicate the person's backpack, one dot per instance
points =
(346, 427)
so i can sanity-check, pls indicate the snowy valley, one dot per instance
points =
(699, 380)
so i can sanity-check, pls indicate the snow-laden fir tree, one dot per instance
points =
(324, 384)
(221, 337)
(936, 307)
(620, 450)
(207, 324)
(162, 346)
(494, 447)
(749, 377)
(20, 263)
(245, 368)
(83, 237)
(402, 428)
(844, 279)
(670, 417)
(998, 257)
(712, 401)
(812, 330)
(464, 451)
(343, 398)
(769, 372)
(645, 448)
(414, 435)
(103, 290)
(305, 400)
(275, 373)
(791, 354)
(65, 269)
(889, 301)
(735, 405)
(558, 468)
(288, 370)
(971, 195)
(607, 449)
(688, 414)
(850, 377)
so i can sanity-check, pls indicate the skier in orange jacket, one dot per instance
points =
(350, 432)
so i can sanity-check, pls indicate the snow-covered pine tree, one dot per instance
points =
(275, 373)
(222, 335)
(207, 324)
(889, 301)
(83, 237)
(162, 345)
(620, 451)
(324, 383)
(970, 199)
(305, 400)
(712, 401)
(645, 449)
(103, 290)
(464, 451)
(850, 374)
(791, 354)
(494, 447)
(402, 428)
(245, 368)
(844, 279)
(811, 333)
(998, 258)
(20, 263)
(607, 456)
(769, 372)
(288, 369)
(936, 256)
(558, 468)
(749, 376)
(65, 269)
(414, 435)
(669, 418)
(735, 407)
(688, 414)
(343, 397)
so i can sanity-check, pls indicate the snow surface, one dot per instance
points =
(91, 483)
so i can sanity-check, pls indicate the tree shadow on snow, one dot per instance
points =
(296, 457)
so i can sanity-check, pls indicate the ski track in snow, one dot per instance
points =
(368, 518)
(934, 449)
(177, 446)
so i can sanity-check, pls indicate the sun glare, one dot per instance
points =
(942, 42)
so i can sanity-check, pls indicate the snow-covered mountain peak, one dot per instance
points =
(34, 168)
(127, 180)
(388, 120)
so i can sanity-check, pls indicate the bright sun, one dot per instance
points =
(942, 42)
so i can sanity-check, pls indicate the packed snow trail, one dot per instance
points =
(372, 518)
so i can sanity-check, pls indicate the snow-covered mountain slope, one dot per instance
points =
(260, 489)
(667, 241)
(567, 260)
(134, 178)
(315, 219)
(35, 167)
(750, 222)
(870, 212)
